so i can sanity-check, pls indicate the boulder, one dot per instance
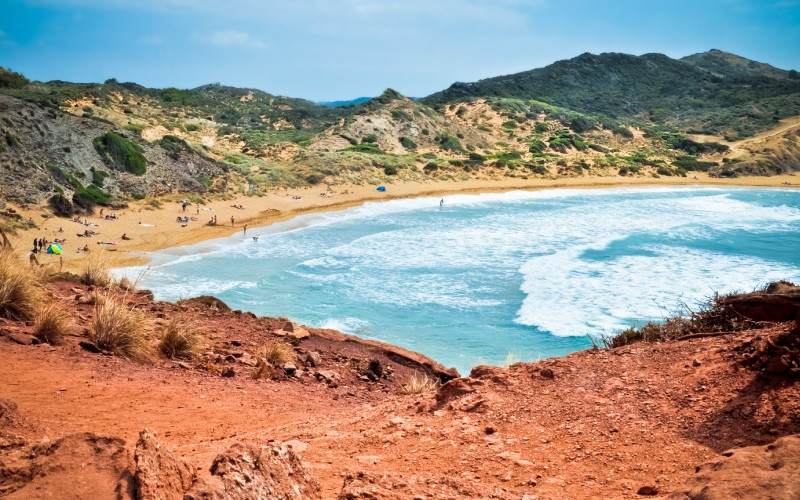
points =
(245, 472)
(159, 474)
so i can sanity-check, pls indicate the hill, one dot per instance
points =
(84, 144)
(712, 93)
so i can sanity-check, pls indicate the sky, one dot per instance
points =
(342, 49)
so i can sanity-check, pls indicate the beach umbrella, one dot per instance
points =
(54, 248)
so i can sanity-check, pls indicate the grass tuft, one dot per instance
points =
(419, 384)
(20, 287)
(96, 273)
(276, 352)
(120, 329)
(51, 325)
(180, 341)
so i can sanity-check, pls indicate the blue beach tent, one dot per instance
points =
(54, 248)
(381, 188)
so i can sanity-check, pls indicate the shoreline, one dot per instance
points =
(152, 227)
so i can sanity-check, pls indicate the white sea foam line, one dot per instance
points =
(373, 209)
(566, 295)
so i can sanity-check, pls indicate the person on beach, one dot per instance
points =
(441, 203)
(231, 220)
(245, 230)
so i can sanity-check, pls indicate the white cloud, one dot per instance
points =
(232, 38)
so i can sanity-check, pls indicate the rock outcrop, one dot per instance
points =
(159, 474)
(245, 472)
(771, 471)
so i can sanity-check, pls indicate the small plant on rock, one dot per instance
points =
(276, 352)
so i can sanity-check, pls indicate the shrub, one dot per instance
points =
(365, 148)
(192, 127)
(390, 170)
(688, 162)
(430, 167)
(408, 143)
(120, 329)
(537, 146)
(369, 139)
(173, 146)
(180, 341)
(476, 157)
(510, 124)
(449, 143)
(418, 384)
(206, 302)
(122, 153)
(623, 131)
(60, 205)
(87, 197)
(716, 315)
(540, 127)
(50, 325)
(98, 177)
(19, 287)
(276, 352)
(582, 123)
(11, 79)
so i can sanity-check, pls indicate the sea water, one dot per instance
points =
(488, 278)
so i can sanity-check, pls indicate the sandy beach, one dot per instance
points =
(151, 229)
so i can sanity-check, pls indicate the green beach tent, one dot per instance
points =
(54, 248)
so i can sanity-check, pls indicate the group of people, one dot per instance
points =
(40, 244)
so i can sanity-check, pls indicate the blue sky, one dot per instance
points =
(341, 49)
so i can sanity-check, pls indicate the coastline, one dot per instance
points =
(152, 228)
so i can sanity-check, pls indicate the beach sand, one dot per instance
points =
(151, 229)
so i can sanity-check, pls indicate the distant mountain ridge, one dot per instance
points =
(339, 104)
(710, 92)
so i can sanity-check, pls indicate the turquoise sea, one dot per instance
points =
(530, 274)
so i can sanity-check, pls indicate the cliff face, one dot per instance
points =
(595, 424)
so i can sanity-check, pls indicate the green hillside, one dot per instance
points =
(712, 93)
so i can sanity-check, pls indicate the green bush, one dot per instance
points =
(623, 131)
(390, 170)
(60, 205)
(582, 123)
(192, 127)
(540, 127)
(173, 146)
(365, 148)
(11, 79)
(408, 143)
(205, 181)
(369, 139)
(449, 143)
(429, 156)
(121, 153)
(86, 198)
(537, 146)
(688, 162)
(510, 124)
(98, 177)
(430, 167)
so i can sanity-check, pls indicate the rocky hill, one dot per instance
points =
(81, 145)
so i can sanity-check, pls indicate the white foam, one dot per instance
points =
(568, 295)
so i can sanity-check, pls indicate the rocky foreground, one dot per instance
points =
(708, 416)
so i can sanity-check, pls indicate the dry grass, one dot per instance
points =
(714, 316)
(96, 273)
(180, 341)
(120, 329)
(419, 384)
(51, 325)
(126, 284)
(20, 287)
(276, 352)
